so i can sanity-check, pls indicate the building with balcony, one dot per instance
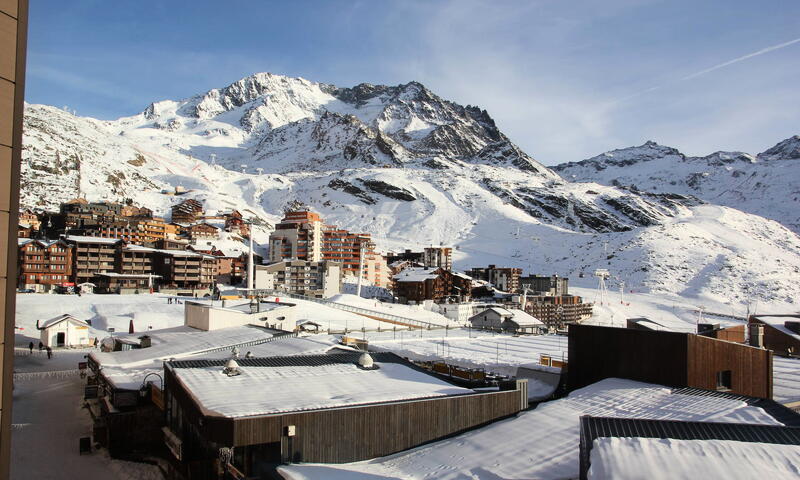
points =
(505, 279)
(188, 211)
(44, 264)
(184, 270)
(312, 279)
(92, 255)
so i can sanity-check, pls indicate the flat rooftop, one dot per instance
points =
(290, 384)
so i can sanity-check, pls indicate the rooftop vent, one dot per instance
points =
(231, 368)
(365, 362)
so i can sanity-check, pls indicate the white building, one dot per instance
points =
(312, 279)
(457, 312)
(64, 331)
(509, 320)
(277, 316)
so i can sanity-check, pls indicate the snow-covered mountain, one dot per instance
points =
(410, 168)
(767, 184)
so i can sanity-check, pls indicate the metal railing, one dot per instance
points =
(277, 336)
(374, 314)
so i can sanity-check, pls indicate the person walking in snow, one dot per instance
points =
(49, 353)
(41, 346)
(30, 347)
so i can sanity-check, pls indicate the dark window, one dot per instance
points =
(724, 380)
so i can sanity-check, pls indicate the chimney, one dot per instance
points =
(756, 335)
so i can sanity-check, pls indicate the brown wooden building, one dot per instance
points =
(44, 264)
(667, 358)
(358, 425)
(188, 211)
(781, 332)
(185, 270)
(201, 231)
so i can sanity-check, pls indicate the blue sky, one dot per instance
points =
(565, 80)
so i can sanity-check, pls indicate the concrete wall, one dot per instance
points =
(204, 317)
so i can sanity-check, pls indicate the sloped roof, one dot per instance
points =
(84, 239)
(416, 275)
(523, 318)
(61, 318)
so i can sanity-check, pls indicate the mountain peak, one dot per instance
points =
(788, 149)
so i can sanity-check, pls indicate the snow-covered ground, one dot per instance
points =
(542, 443)
(416, 312)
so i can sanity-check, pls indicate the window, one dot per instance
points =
(724, 382)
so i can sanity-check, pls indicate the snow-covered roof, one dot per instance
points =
(498, 310)
(84, 239)
(127, 275)
(180, 342)
(523, 318)
(414, 274)
(298, 386)
(668, 458)
(550, 435)
(62, 318)
(130, 377)
(778, 322)
(462, 275)
(24, 241)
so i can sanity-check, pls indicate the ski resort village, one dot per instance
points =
(344, 271)
(187, 349)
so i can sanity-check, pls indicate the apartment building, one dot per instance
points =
(297, 236)
(133, 211)
(505, 279)
(545, 285)
(138, 231)
(181, 269)
(92, 255)
(234, 223)
(135, 260)
(416, 284)
(302, 235)
(313, 279)
(30, 218)
(188, 211)
(433, 257)
(201, 231)
(44, 264)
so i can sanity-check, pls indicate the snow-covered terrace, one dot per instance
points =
(546, 439)
(305, 383)
(501, 353)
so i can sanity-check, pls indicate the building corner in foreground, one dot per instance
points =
(14, 33)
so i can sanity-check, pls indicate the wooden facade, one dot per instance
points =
(667, 358)
(333, 435)
(779, 341)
